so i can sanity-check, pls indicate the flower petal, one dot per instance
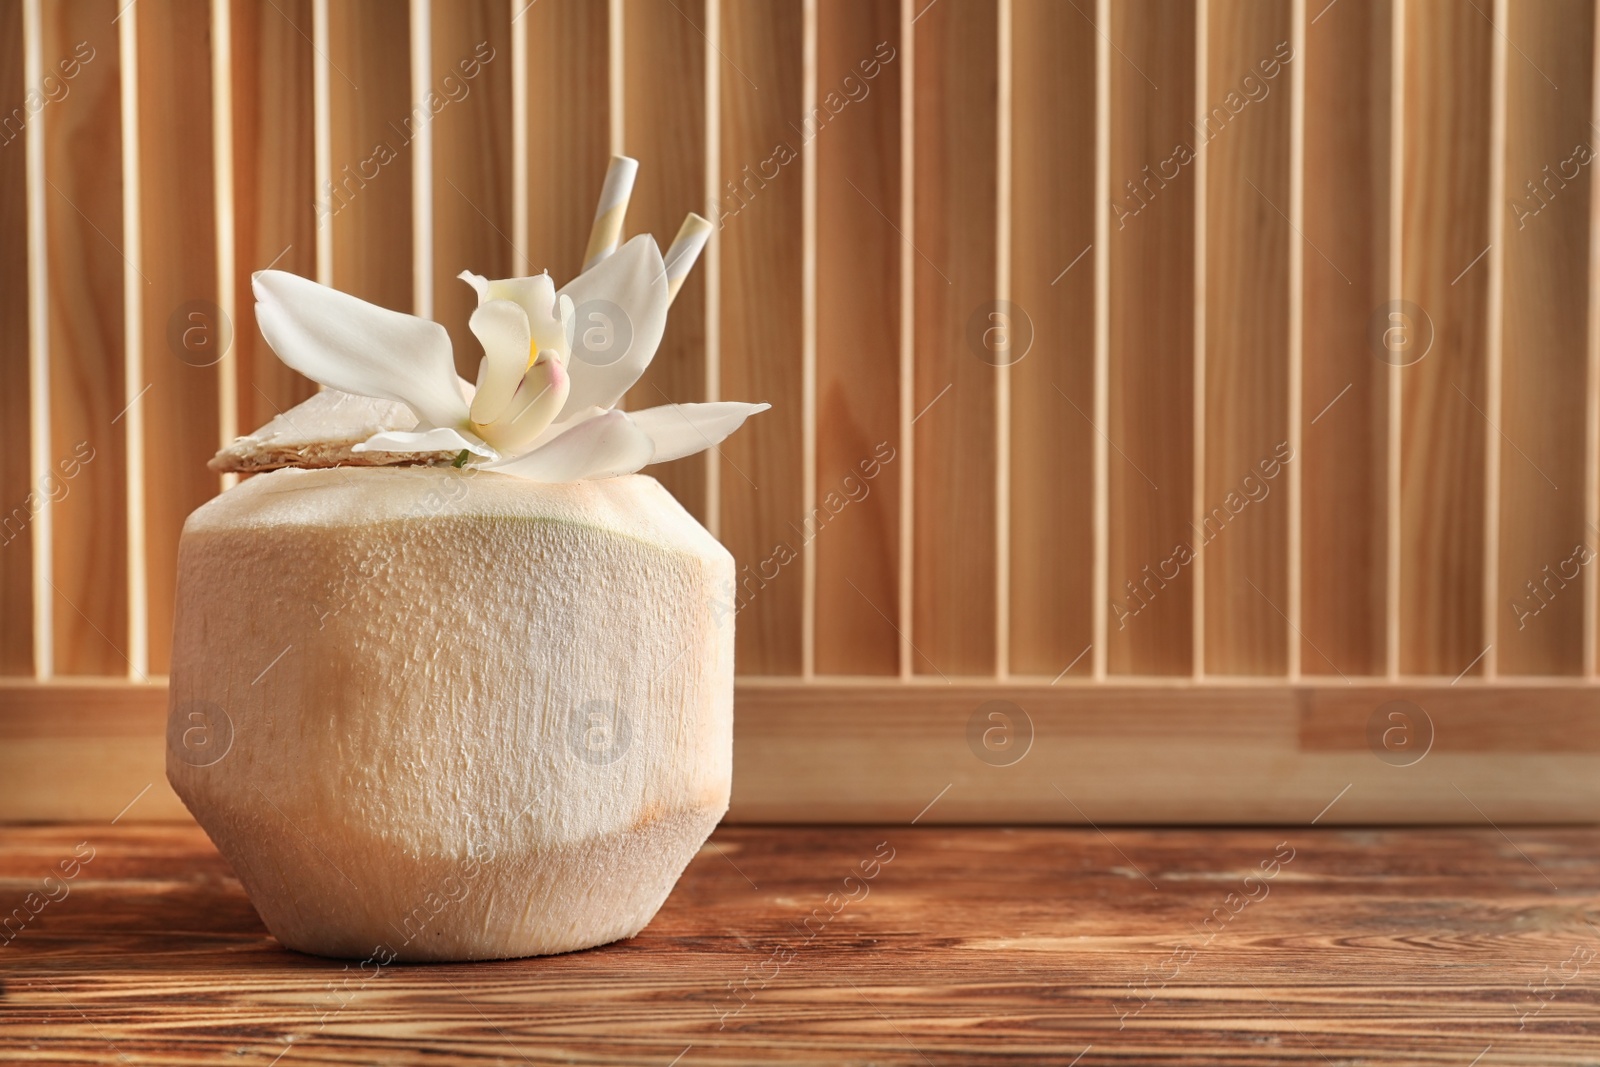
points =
(622, 299)
(601, 447)
(532, 407)
(346, 343)
(438, 439)
(680, 430)
(502, 328)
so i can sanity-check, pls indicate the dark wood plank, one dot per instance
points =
(972, 946)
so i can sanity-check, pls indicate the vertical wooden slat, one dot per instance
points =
(223, 214)
(1444, 423)
(180, 332)
(1005, 14)
(373, 129)
(1417, 331)
(1345, 391)
(1591, 450)
(83, 213)
(664, 119)
(1101, 450)
(763, 519)
(907, 398)
(1151, 335)
(858, 330)
(1243, 523)
(1539, 605)
(472, 212)
(953, 619)
(568, 128)
(1053, 282)
(274, 185)
(423, 103)
(1296, 211)
(16, 534)
(1198, 306)
(809, 101)
(858, 336)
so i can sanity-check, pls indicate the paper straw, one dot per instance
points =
(679, 260)
(607, 231)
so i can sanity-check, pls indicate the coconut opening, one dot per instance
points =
(322, 432)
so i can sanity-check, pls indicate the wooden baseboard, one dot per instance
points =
(888, 752)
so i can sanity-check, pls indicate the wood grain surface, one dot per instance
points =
(859, 205)
(274, 186)
(180, 335)
(885, 945)
(1244, 129)
(954, 463)
(1444, 421)
(1345, 433)
(763, 518)
(472, 164)
(665, 45)
(83, 204)
(1151, 428)
(1545, 344)
(16, 481)
(1052, 446)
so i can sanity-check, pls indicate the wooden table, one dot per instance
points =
(969, 946)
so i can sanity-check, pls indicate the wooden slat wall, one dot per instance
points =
(1197, 215)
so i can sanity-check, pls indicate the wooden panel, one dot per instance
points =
(893, 945)
(83, 210)
(274, 175)
(1052, 282)
(1444, 420)
(1549, 157)
(956, 99)
(375, 123)
(764, 523)
(181, 336)
(859, 55)
(1243, 524)
(16, 481)
(664, 128)
(881, 751)
(569, 137)
(1152, 338)
(1344, 457)
(472, 224)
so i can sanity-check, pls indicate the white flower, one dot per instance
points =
(535, 413)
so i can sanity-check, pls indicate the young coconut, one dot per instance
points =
(465, 692)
